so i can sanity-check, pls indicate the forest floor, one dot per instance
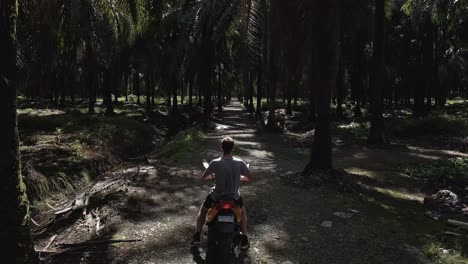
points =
(388, 224)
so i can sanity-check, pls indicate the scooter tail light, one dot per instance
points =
(227, 206)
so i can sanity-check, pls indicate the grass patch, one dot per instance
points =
(181, 147)
(353, 129)
(63, 151)
(302, 106)
(453, 170)
(404, 128)
(447, 252)
(125, 136)
(444, 125)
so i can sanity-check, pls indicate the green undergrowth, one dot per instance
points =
(454, 170)
(351, 129)
(439, 125)
(389, 200)
(302, 106)
(183, 145)
(433, 126)
(451, 251)
(64, 151)
(449, 121)
(125, 136)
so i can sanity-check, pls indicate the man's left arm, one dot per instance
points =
(208, 172)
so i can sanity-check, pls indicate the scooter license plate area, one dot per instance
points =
(226, 218)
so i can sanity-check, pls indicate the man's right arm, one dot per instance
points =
(246, 176)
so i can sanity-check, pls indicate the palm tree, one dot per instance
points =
(212, 21)
(327, 14)
(317, 18)
(377, 129)
(433, 22)
(17, 242)
(71, 35)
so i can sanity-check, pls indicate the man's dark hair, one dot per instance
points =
(227, 144)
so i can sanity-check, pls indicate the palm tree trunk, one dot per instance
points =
(174, 83)
(182, 90)
(91, 77)
(125, 85)
(270, 65)
(118, 86)
(321, 155)
(220, 97)
(263, 62)
(190, 91)
(251, 93)
(205, 75)
(17, 243)
(340, 89)
(107, 92)
(199, 90)
(289, 84)
(153, 84)
(148, 94)
(377, 129)
(358, 71)
(136, 85)
(259, 90)
(296, 90)
(429, 62)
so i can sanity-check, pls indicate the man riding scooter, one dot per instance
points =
(229, 171)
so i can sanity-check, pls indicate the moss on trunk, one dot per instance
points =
(17, 241)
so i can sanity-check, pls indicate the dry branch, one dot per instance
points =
(99, 242)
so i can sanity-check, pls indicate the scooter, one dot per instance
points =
(223, 230)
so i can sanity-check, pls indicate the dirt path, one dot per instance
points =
(285, 221)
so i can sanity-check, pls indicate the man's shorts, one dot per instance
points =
(209, 202)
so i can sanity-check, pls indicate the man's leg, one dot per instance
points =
(200, 222)
(244, 222)
(201, 217)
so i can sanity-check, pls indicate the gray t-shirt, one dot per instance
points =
(227, 172)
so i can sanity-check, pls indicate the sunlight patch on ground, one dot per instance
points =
(248, 143)
(222, 127)
(401, 194)
(435, 154)
(389, 178)
(39, 112)
(379, 175)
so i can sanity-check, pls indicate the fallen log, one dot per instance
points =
(457, 223)
(448, 233)
(48, 251)
(96, 193)
(51, 253)
(51, 207)
(64, 210)
(93, 196)
(50, 242)
(34, 222)
(99, 242)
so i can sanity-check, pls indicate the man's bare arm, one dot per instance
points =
(205, 176)
(246, 178)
